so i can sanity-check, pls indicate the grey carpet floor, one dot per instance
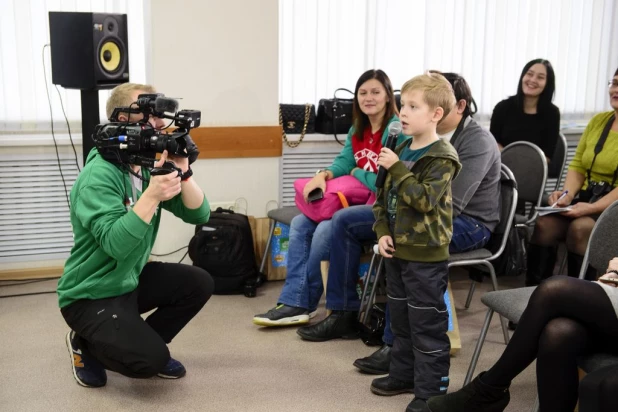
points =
(232, 365)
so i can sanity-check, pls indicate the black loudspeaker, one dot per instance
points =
(88, 50)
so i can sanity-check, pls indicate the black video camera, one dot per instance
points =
(595, 191)
(131, 143)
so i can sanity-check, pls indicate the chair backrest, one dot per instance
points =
(508, 204)
(602, 245)
(558, 160)
(528, 164)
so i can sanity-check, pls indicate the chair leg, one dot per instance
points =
(374, 288)
(494, 282)
(470, 293)
(364, 299)
(270, 235)
(479, 346)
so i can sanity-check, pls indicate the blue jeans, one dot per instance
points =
(351, 228)
(309, 244)
(468, 234)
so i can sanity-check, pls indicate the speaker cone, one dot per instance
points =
(110, 56)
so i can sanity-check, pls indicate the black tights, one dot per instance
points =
(566, 317)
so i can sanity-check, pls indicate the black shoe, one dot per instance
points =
(512, 325)
(283, 315)
(388, 386)
(339, 324)
(378, 363)
(476, 396)
(418, 405)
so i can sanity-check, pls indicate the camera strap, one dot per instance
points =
(599, 147)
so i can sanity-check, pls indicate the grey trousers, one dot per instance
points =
(419, 319)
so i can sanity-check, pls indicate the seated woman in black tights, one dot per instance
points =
(565, 318)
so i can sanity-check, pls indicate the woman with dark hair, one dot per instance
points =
(592, 177)
(530, 115)
(374, 108)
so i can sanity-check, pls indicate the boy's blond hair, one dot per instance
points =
(121, 96)
(437, 91)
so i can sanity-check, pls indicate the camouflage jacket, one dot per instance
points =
(424, 216)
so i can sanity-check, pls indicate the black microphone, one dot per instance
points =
(394, 129)
(165, 105)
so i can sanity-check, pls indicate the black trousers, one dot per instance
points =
(419, 320)
(113, 331)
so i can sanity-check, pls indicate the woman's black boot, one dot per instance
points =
(574, 265)
(541, 261)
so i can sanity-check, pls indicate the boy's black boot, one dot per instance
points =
(476, 396)
(540, 265)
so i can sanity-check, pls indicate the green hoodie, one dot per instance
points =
(424, 217)
(112, 244)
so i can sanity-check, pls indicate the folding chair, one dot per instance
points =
(484, 257)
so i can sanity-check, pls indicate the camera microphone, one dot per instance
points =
(165, 104)
(394, 129)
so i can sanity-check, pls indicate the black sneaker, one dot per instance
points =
(283, 315)
(87, 370)
(173, 370)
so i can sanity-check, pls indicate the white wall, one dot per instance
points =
(220, 57)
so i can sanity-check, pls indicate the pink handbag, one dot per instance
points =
(340, 192)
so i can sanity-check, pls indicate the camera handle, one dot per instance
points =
(168, 167)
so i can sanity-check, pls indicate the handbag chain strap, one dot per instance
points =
(302, 135)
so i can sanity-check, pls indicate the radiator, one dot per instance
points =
(34, 214)
(304, 161)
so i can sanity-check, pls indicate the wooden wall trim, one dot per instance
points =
(33, 273)
(234, 142)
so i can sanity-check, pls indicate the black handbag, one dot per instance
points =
(296, 119)
(334, 115)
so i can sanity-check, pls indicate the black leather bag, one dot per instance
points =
(296, 119)
(334, 115)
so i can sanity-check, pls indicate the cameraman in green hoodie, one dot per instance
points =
(108, 281)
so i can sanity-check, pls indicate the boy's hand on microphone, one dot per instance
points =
(387, 158)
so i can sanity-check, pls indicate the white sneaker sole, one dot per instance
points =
(70, 348)
(292, 320)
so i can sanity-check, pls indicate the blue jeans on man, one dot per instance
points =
(308, 246)
(352, 228)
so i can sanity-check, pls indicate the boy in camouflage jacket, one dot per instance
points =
(414, 227)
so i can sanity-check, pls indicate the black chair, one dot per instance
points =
(529, 166)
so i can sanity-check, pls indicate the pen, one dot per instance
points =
(566, 192)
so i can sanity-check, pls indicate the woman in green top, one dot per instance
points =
(589, 188)
(374, 108)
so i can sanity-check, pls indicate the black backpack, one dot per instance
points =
(512, 261)
(224, 248)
